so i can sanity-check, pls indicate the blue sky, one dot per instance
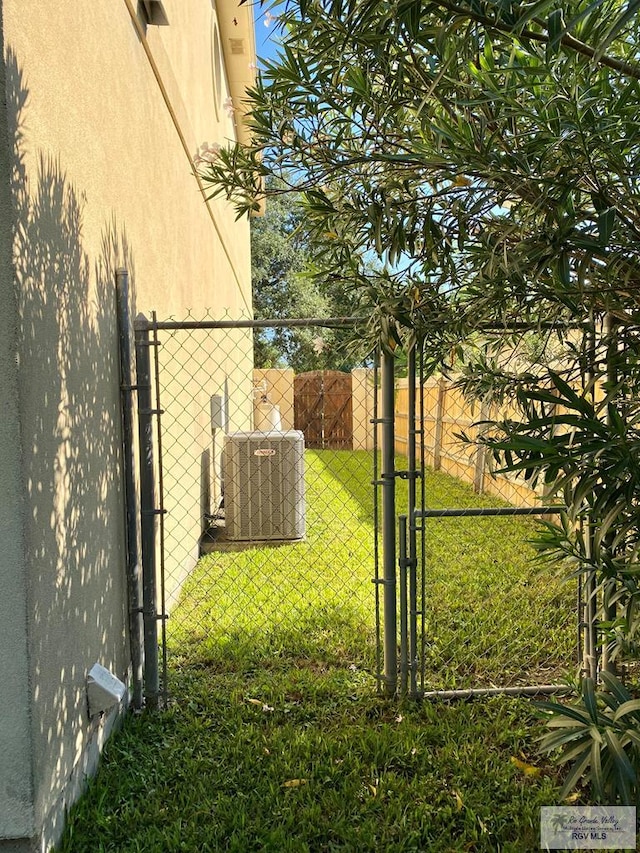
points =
(265, 35)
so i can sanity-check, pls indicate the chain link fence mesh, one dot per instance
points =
(270, 528)
(269, 547)
(493, 614)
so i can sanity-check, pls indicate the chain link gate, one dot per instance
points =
(425, 580)
(492, 620)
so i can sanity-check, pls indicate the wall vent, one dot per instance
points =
(263, 475)
(237, 47)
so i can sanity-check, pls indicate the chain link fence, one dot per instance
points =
(269, 527)
(268, 533)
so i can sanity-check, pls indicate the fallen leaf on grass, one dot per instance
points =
(523, 767)
(294, 783)
(459, 803)
(261, 704)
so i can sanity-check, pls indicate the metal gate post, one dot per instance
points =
(376, 482)
(412, 476)
(609, 607)
(147, 511)
(589, 587)
(403, 564)
(388, 477)
(421, 649)
(133, 567)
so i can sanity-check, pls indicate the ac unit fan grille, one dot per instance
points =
(264, 485)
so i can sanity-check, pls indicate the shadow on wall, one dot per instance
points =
(71, 443)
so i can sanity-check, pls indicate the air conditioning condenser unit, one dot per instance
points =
(263, 475)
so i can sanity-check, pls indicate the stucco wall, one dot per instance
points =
(277, 384)
(363, 404)
(102, 117)
(16, 795)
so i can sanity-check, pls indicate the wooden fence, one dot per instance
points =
(323, 409)
(278, 386)
(447, 414)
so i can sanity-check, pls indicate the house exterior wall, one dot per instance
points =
(102, 117)
(16, 795)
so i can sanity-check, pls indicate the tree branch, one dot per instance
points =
(566, 40)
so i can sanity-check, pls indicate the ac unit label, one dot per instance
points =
(265, 451)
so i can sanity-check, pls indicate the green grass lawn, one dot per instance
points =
(275, 739)
(261, 602)
(492, 614)
(307, 759)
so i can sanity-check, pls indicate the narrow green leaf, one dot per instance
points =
(583, 14)
(596, 771)
(606, 221)
(616, 28)
(575, 775)
(570, 396)
(564, 269)
(556, 29)
(616, 687)
(625, 768)
(589, 698)
(559, 710)
(631, 707)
